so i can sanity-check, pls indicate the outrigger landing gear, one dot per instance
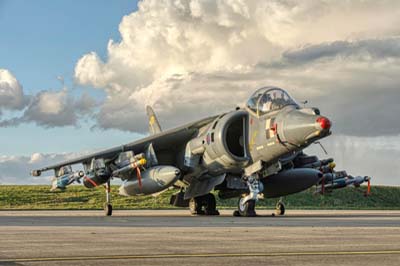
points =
(247, 203)
(107, 205)
(280, 207)
(207, 201)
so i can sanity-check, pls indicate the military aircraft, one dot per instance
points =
(250, 153)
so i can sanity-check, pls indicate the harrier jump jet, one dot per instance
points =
(249, 153)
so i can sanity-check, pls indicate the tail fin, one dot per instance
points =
(154, 126)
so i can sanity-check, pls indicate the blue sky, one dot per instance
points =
(44, 39)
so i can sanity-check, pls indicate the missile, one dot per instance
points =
(320, 164)
(63, 181)
(330, 176)
(133, 165)
(341, 182)
(135, 158)
(358, 180)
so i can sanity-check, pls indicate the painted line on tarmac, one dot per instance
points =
(204, 255)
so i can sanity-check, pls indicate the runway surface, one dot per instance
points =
(170, 237)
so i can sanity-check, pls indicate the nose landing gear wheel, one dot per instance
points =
(246, 209)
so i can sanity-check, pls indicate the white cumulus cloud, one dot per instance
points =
(11, 93)
(194, 58)
(48, 108)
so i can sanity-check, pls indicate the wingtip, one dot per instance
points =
(36, 172)
(149, 110)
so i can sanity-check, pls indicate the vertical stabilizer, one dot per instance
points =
(154, 126)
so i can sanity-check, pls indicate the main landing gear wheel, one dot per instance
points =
(108, 209)
(280, 208)
(195, 206)
(210, 204)
(207, 201)
(246, 209)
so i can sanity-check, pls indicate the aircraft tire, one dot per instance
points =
(280, 208)
(211, 205)
(195, 205)
(247, 209)
(236, 213)
(108, 209)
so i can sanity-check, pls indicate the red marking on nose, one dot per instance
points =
(324, 122)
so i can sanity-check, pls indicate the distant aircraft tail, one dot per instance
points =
(154, 126)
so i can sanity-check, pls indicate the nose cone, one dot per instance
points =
(301, 129)
(324, 123)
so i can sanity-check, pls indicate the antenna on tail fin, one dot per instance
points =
(154, 126)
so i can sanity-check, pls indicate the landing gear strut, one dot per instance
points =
(207, 201)
(247, 203)
(107, 205)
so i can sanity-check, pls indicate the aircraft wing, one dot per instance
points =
(163, 140)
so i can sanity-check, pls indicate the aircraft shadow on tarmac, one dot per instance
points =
(328, 220)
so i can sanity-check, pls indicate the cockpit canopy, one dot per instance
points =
(269, 99)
